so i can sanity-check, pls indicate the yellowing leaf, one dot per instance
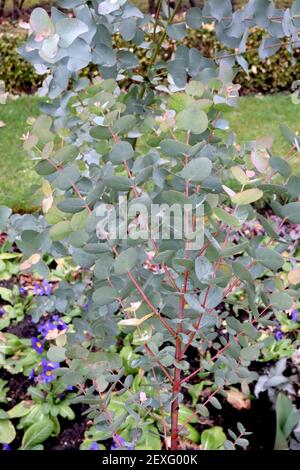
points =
(46, 188)
(134, 306)
(135, 321)
(294, 276)
(247, 197)
(33, 259)
(239, 175)
(47, 204)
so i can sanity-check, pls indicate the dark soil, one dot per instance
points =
(24, 329)
(17, 387)
(72, 432)
(260, 419)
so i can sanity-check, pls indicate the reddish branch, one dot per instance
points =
(178, 345)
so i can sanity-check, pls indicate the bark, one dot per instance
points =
(152, 6)
(2, 6)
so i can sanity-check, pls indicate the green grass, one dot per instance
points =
(261, 116)
(16, 174)
(255, 117)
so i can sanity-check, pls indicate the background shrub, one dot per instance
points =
(18, 75)
(273, 75)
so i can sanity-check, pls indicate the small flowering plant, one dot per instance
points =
(52, 328)
(15, 304)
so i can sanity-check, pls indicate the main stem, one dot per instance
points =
(178, 346)
(177, 374)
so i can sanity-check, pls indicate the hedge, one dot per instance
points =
(18, 75)
(273, 75)
(276, 74)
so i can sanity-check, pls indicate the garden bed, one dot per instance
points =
(256, 412)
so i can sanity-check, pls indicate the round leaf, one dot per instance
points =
(126, 261)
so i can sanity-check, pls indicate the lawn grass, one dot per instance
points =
(261, 116)
(256, 116)
(16, 173)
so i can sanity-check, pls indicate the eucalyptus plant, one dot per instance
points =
(160, 139)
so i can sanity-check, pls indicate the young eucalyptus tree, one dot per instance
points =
(156, 139)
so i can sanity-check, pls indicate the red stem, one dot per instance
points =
(178, 350)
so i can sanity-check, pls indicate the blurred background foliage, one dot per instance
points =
(273, 75)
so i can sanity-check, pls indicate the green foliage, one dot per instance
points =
(213, 438)
(16, 73)
(286, 418)
(275, 74)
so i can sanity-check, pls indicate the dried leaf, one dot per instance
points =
(47, 204)
(294, 276)
(134, 321)
(238, 399)
(33, 259)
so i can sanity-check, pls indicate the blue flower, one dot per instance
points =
(22, 291)
(42, 289)
(94, 446)
(47, 370)
(47, 288)
(55, 325)
(70, 388)
(37, 345)
(6, 447)
(2, 312)
(295, 315)
(278, 335)
(36, 289)
(32, 374)
(120, 443)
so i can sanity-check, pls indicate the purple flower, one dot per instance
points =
(6, 447)
(86, 306)
(295, 315)
(94, 446)
(32, 374)
(47, 288)
(119, 443)
(47, 370)
(22, 291)
(37, 289)
(278, 335)
(2, 312)
(37, 345)
(70, 388)
(42, 289)
(52, 328)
